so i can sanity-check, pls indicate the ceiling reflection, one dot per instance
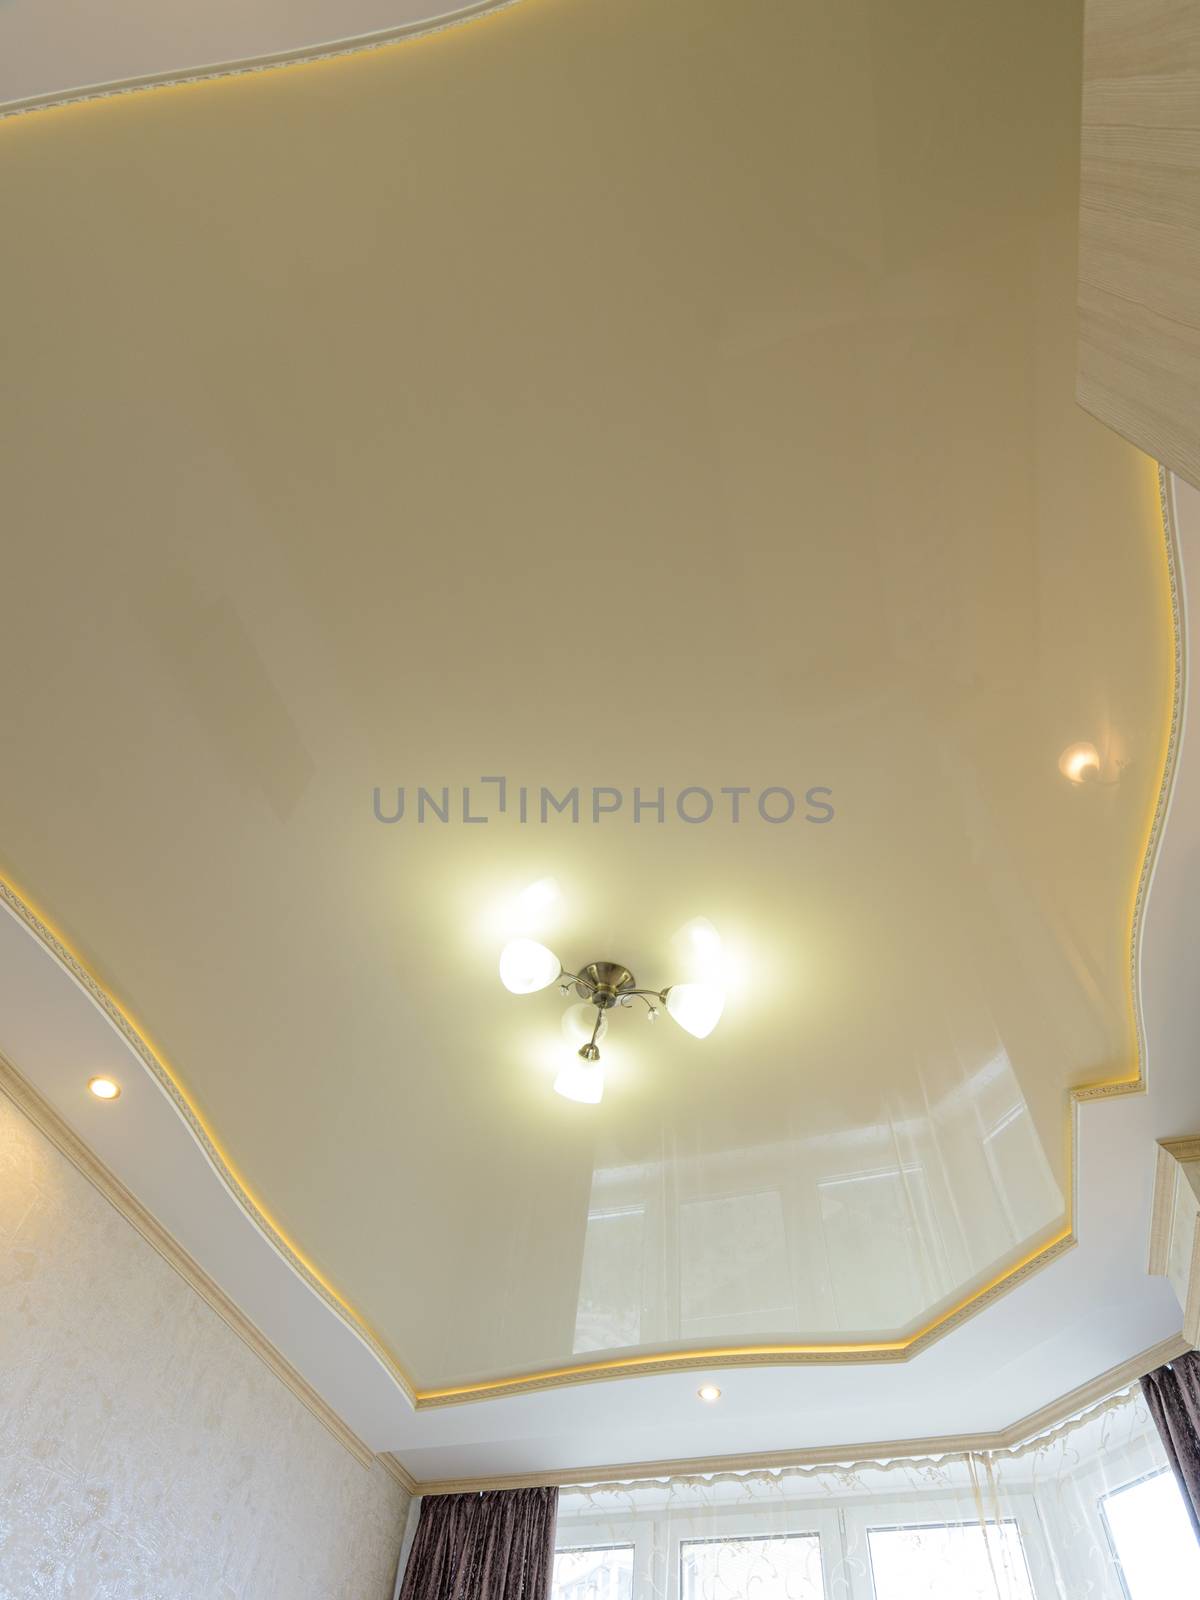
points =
(713, 437)
(864, 1232)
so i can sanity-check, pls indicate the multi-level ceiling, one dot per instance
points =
(615, 395)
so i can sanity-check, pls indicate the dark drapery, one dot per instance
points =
(1173, 1396)
(498, 1545)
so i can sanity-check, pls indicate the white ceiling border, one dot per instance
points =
(329, 50)
(1098, 1389)
(1022, 1432)
(230, 1186)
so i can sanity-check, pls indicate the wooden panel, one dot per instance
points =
(1175, 1227)
(1139, 229)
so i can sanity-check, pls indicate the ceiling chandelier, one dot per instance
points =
(526, 967)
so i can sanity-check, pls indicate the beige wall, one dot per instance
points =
(145, 1452)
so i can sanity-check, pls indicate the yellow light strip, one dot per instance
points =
(154, 1060)
(279, 61)
(764, 1354)
(631, 1366)
(905, 1349)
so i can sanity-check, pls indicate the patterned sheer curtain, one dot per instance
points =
(1090, 1509)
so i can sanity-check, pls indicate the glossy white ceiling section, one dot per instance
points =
(51, 49)
(331, 497)
(1090, 1310)
(336, 525)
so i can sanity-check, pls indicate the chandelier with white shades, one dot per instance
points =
(602, 986)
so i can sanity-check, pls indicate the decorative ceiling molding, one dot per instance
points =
(1175, 1226)
(51, 1125)
(899, 1349)
(202, 1135)
(397, 1470)
(1019, 1433)
(48, 1122)
(273, 61)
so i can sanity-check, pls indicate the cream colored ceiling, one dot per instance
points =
(54, 50)
(602, 394)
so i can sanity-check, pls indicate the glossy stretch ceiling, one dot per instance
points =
(614, 396)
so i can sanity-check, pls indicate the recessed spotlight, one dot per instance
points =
(709, 1392)
(105, 1088)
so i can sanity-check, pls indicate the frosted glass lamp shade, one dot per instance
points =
(696, 1007)
(581, 1080)
(526, 966)
(579, 1021)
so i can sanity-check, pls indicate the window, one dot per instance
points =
(1152, 1538)
(594, 1572)
(611, 1294)
(949, 1561)
(785, 1567)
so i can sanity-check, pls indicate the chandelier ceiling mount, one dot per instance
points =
(526, 967)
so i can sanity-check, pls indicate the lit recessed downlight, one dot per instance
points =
(105, 1088)
(709, 1392)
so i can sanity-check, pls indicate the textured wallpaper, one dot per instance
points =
(145, 1452)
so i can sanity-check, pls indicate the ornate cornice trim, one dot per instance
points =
(1162, 805)
(1020, 1433)
(48, 1122)
(774, 1355)
(1175, 1226)
(903, 1348)
(396, 1469)
(203, 1136)
(970, 1305)
(275, 61)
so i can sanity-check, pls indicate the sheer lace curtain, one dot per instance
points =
(1089, 1509)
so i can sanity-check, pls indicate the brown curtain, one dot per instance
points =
(1173, 1396)
(493, 1546)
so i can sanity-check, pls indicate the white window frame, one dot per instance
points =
(1119, 1470)
(657, 1534)
(1118, 1566)
(594, 1534)
(657, 1537)
(727, 1526)
(608, 1543)
(940, 1510)
(1109, 1536)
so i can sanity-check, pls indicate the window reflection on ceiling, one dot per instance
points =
(859, 1232)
